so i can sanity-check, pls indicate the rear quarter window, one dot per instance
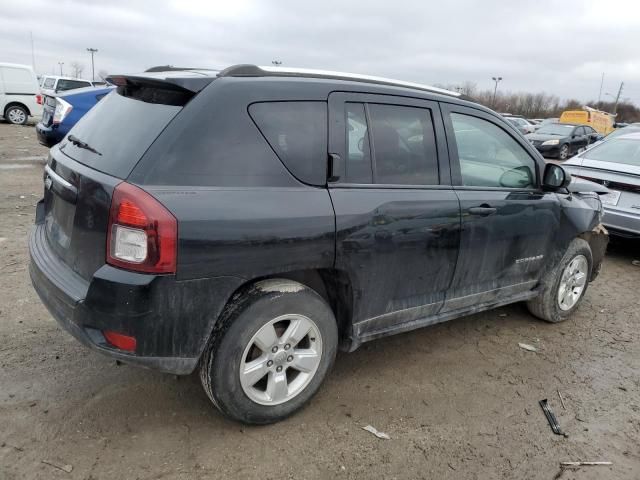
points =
(297, 133)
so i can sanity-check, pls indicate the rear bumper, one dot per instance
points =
(171, 320)
(49, 136)
(628, 224)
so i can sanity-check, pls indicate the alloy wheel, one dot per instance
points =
(564, 152)
(16, 116)
(572, 282)
(281, 359)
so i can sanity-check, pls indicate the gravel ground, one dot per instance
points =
(459, 400)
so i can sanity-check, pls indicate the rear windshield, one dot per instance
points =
(121, 129)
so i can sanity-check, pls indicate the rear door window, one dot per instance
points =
(358, 165)
(404, 146)
(297, 133)
(49, 83)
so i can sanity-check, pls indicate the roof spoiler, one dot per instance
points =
(187, 84)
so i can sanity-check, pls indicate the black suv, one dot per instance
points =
(252, 221)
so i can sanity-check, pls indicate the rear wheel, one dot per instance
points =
(564, 152)
(276, 345)
(16, 115)
(564, 286)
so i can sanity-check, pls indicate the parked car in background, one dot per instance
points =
(523, 125)
(547, 121)
(562, 140)
(52, 84)
(240, 223)
(615, 163)
(62, 112)
(19, 93)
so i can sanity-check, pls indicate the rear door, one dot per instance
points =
(397, 217)
(508, 221)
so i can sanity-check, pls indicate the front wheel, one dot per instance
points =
(564, 152)
(275, 345)
(564, 286)
(16, 115)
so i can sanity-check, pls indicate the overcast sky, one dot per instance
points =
(560, 47)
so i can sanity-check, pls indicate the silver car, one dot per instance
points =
(615, 164)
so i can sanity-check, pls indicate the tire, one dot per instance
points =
(16, 115)
(245, 337)
(564, 152)
(549, 305)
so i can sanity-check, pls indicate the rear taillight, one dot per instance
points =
(63, 109)
(39, 99)
(142, 233)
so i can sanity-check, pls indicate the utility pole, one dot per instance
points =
(495, 89)
(92, 51)
(33, 55)
(615, 106)
(61, 63)
(601, 83)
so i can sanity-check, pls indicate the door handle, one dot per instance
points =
(483, 211)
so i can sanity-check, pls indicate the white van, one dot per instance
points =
(19, 92)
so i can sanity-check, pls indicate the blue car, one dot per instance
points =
(62, 112)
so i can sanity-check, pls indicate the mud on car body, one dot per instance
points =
(250, 222)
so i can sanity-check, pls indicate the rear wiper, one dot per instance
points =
(80, 144)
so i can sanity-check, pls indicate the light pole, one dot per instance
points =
(495, 89)
(60, 64)
(92, 51)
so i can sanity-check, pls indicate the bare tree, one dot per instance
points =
(77, 69)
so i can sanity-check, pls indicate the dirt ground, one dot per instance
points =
(459, 400)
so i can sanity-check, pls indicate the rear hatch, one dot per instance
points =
(100, 151)
(48, 110)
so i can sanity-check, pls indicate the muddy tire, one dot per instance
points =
(564, 286)
(270, 353)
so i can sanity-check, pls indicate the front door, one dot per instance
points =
(508, 221)
(397, 216)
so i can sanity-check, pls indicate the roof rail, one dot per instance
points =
(170, 68)
(246, 70)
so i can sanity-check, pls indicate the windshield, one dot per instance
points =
(556, 129)
(622, 150)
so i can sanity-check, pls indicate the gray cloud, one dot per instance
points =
(560, 47)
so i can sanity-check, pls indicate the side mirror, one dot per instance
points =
(555, 177)
(519, 177)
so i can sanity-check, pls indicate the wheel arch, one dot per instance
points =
(16, 104)
(598, 238)
(333, 285)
